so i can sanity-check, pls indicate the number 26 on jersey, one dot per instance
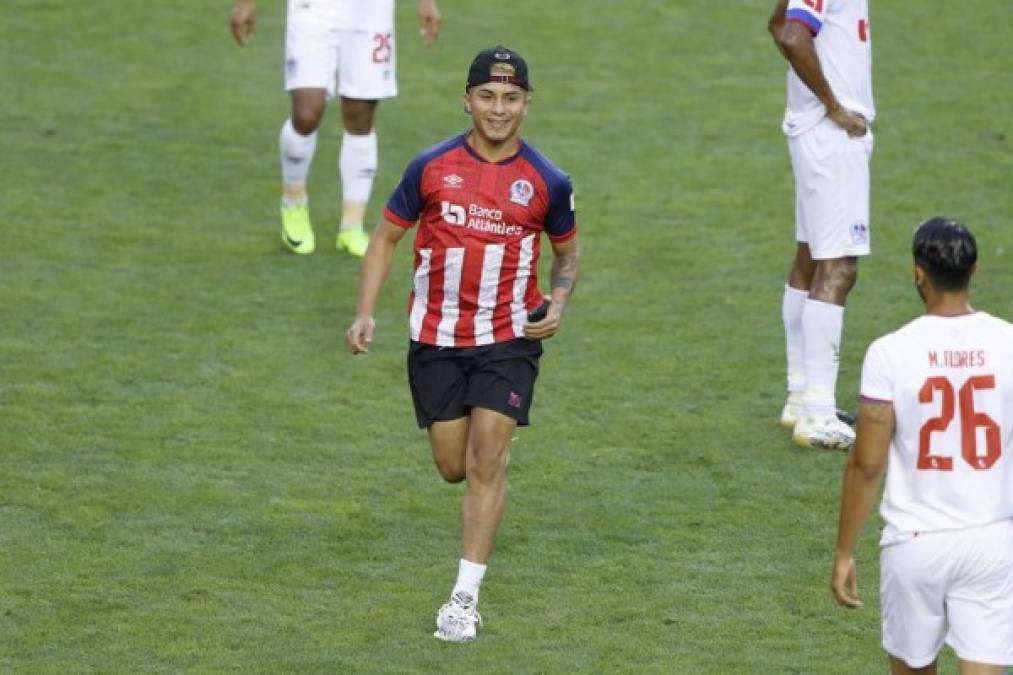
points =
(950, 404)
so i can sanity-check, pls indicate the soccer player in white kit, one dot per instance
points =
(347, 47)
(936, 414)
(828, 46)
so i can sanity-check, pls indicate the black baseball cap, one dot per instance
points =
(498, 64)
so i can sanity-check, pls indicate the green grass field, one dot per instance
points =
(194, 476)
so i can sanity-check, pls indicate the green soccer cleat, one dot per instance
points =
(353, 241)
(296, 231)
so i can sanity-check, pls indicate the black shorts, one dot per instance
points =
(447, 382)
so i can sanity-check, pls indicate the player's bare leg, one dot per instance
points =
(822, 325)
(357, 167)
(485, 497)
(449, 442)
(308, 107)
(833, 279)
(973, 668)
(457, 619)
(802, 268)
(478, 448)
(298, 142)
(796, 291)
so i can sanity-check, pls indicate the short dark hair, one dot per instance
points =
(947, 251)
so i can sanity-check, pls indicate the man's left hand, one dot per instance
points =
(852, 122)
(547, 327)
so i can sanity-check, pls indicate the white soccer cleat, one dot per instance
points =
(825, 434)
(457, 620)
(792, 412)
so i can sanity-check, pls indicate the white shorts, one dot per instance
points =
(963, 578)
(356, 63)
(831, 190)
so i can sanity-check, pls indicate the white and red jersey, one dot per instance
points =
(351, 15)
(843, 43)
(477, 246)
(950, 380)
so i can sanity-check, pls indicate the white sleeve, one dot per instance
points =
(877, 378)
(810, 13)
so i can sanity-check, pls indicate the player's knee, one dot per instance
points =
(357, 116)
(836, 278)
(451, 468)
(359, 127)
(306, 118)
(845, 274)
(487, 462)
(452, 473)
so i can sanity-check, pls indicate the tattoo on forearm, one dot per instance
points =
(564, 272)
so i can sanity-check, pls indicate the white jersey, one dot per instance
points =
(950, 380)
(843, 43)
(351, 15)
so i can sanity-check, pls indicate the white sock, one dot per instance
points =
(357, 165)
(791, 314)
(822, 324)
(296, 154)
(469, 578)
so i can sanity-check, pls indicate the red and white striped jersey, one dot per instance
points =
(477, 245)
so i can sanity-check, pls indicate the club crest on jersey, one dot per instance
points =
(521, 192)
(859, 233)
(453, 181)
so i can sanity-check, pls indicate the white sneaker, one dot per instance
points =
(825, 434)
(457, 620)
(792, 412)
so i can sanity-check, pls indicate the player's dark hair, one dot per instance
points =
(947, 251)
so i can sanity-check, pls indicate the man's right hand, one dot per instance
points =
(429, 22)
(360, 334)
(850, 121)
(243, 21)
(843, 581)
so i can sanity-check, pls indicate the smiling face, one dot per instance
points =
(497, 110)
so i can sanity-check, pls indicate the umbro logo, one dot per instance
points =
(453, 180)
